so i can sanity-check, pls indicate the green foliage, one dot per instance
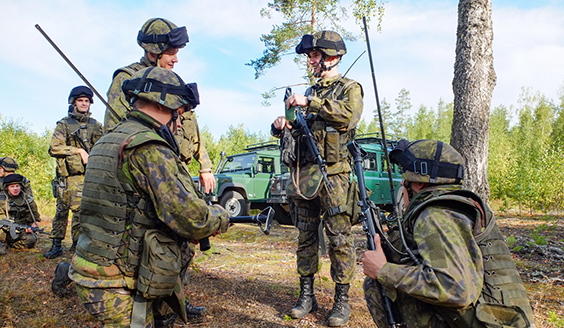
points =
(554, 319)
(305, 17)
(511, 241)
(30, 151)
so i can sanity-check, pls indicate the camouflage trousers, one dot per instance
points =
(337, 228)
(113, 307)
(414, 313)
(23, 240)
(68, 200)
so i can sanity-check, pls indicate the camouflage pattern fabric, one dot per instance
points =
(111, 306)
(160, 177)
(70, 169)
(68, 200)
(340, 110)
(22, 209)
(116, 98)
(191, 143)
(337, 229)
(18, 210)
(451, 273)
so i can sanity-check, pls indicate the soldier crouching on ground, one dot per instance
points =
(333, 107)
(9, 166)
(138, 199)
(466, 276)
(72, 139)
(20, 207)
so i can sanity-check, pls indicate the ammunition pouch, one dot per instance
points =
(353, 199)
(160, 265)
(306, 182)
(55, 187)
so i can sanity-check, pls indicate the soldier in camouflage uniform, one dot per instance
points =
(72, 139)
(139, 200)
(18, 206)
(463, 274)
(9, 166)
(163, 53)
(333, 107)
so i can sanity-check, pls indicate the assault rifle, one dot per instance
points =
(14, 227)
(301, 124)
(264, 217)
(370, 217)
(76, 135)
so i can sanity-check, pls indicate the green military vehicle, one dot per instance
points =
(256, 179)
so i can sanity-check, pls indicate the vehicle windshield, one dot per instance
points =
(239, 163)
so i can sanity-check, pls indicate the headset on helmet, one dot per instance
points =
(429, 161)
(81, 91)
(158, 34)
(161, 86)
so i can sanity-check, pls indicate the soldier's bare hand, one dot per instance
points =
(280, 122)
(374, 261)
(83, 155)
(208, 181)
(297, 100)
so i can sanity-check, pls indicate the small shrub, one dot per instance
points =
(554, 319)
(511, 241)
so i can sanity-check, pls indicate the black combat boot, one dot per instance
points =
(341, 308)
(194, 312)
(61, 280)
(306, 302)
(56, 249)
(166, 321)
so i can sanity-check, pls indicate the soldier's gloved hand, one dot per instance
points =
(221, 214)
(208, 181)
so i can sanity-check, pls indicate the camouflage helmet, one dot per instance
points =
(159, 34)
(81, 91)
(162, 86)
(328, 42)
(9, 164)
(429, 161)
(13, 179)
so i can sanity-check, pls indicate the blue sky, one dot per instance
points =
(415, 50)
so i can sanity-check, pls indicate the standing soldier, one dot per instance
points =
(161, 40)
(463, 274)
(19, 207)
(74, 135)
(333, 107)
(138, 201)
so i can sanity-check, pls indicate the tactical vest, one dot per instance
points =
(113, 216)
(332, 144)
(18, 208)
(502, 284)
(72, 165)
(131, 69)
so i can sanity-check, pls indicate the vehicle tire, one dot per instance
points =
(234, 203)
(281, 215)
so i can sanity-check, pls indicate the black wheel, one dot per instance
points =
(281, 215)
(234, 203)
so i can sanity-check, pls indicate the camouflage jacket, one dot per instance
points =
(451, 269)
(116, 97)
(191, 143)
(22, 209)
(162, 182)
(336, 106)
(64, 142)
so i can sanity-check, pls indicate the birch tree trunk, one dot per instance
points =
(473, 84)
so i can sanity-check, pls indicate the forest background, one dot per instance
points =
(525, 160)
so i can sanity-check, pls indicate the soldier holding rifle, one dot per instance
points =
(332, 109)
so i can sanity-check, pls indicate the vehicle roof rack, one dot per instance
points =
(270, 144)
